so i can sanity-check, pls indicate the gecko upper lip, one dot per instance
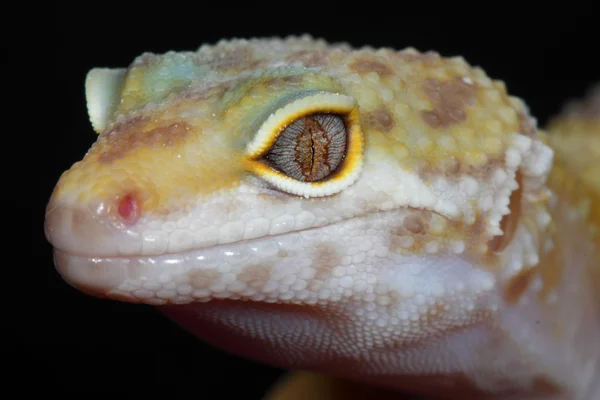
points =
(90, 232)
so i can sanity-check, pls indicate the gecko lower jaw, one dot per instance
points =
(104, 276)
(107, 276)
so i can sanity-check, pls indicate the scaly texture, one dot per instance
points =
(434, 259)
(575, 136)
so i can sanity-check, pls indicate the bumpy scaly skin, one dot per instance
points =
(575, 137)
(436, 270)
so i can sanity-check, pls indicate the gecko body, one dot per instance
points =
(392, 217)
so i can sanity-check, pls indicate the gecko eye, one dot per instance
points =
(311, 147)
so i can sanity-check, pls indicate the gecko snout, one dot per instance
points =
(102, 229)
(90, 242)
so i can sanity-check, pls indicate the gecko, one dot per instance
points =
(391, 217)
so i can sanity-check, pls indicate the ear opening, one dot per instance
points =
(102, 93)
(510, 221)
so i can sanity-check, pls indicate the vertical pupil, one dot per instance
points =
(305, 147)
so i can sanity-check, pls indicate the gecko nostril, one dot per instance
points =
(128, 209)
(510, 221)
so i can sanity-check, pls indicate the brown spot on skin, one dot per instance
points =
(255, 276)
(415, 227)
(203, 278)
(282, 253)
(414, 224)
(380, 119)
(326, 258)
(449, 101)
(133, 134)
(366, 65)
(451, 167)
(517, 285)
(309, 58)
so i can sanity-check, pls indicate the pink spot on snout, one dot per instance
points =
(128, 209)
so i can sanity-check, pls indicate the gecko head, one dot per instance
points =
(385, 188)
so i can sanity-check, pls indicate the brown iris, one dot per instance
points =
(310, 148)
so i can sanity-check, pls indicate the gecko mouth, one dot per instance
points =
(87, 232)
(140, 278)
(265, 266)
(111, 277)
(88, 256)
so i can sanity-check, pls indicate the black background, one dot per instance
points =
(60, 340)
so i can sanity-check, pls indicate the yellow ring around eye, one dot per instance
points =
(269, 132)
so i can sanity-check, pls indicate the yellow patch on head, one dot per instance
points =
(164, 161)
